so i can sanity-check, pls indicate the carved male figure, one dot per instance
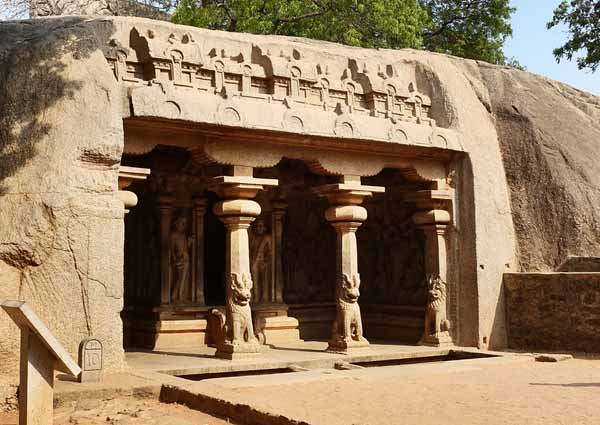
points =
(237, 324)
(347, 327)
(180, 259)
(260, 257)
(437, 326)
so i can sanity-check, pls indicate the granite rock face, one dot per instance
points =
(528, 182)
(61, 140)
(550, 140)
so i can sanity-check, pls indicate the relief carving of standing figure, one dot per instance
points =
(260, 261)
(179, 251)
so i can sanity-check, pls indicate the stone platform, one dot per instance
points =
(307, 354)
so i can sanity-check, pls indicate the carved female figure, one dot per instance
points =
(180, 259)
(260, 266)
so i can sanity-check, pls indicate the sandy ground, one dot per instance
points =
(471, 392)
(124, 412)
(466, 393)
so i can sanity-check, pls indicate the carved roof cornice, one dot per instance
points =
(202, 76)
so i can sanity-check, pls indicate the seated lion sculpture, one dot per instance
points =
(347, 327)
(236, 325)
(437, 326)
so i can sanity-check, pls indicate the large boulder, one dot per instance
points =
(61, 138)
(550, 140)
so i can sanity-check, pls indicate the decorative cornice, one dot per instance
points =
(176, 73)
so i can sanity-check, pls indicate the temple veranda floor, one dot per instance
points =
(400, 385)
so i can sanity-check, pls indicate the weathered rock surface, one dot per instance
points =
(61, 139)
(550, 139)
(529, 186)
(553, 311)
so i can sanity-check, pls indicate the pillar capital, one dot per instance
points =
(239, 187)
(347, 192)
(346, 213)
(432, 199)
(237, 208)
(127, 175)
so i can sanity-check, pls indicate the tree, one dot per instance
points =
(469, 28)
(474, 29)
(19, 9)
(367, 23)
(583, 20)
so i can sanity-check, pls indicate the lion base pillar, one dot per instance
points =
(433, 220)
(237, 212)
(346, 216)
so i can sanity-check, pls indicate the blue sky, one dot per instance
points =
(532, 45)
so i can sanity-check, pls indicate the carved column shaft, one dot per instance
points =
(347, 250)
(436, 253)
(237, 242)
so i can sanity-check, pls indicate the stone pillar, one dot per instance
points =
(346, 216)
(433, 219)
(165, 209)
(237, 211)
(198, 250)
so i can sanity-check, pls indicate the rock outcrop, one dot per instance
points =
(529, 184)
(61, 138)
(550, 140)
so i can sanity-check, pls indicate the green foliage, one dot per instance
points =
(469, 28)
(514, 63)
(583, 20)
(474, 29)
(367, 23)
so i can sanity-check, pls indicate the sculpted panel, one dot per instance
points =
(179, 255)
(309, 251)
(261, 261)
(391, 249)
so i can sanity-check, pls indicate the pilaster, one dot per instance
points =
(165, 210)
(199, 210)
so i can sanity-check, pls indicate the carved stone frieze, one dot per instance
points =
(200, 77)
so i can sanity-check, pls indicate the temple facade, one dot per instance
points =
(197, 188)
(299, 172)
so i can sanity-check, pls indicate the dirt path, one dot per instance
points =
(124, 412)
